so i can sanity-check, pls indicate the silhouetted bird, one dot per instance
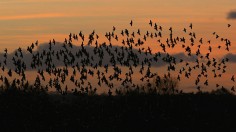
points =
(104, 61)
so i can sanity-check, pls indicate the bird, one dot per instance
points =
(191, 25)
(131, 23)
(150, 23)
(232, 89)
(114, 28)
(102, 61)
(185, 30)
(232, 78)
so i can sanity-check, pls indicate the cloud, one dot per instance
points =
(232, 15)
(231, 57)
(32, 16)
(90, 51)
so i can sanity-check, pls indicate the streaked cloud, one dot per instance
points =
(232, 15)
(231, 57)
(90, 50)
(32, 16)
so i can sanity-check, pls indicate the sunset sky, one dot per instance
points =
(80, 64)
(23, 22)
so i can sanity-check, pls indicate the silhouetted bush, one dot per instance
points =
(166, 85)
(221, 91)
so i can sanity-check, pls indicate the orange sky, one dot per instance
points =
(24, 22)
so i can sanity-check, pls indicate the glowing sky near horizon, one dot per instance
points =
(25, 21)
(22, 22)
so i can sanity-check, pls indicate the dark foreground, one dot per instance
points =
(185, 112)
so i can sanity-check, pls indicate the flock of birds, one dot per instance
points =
(118, 56)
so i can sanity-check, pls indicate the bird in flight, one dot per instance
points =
(150, 23)
(131, 23)
(191, 25)
(232, 78)
(85, 63)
